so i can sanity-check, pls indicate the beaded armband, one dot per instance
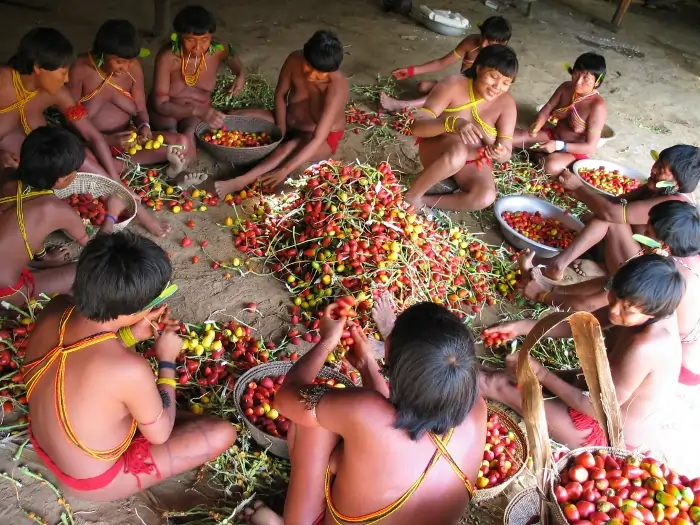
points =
(75, 113)
(311, 396)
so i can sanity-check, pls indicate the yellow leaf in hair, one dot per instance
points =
(654, 154)
(567, 67)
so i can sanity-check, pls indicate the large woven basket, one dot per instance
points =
(240, 156)
(565, 461)
(525, 507)
(522, 452)
(275, 445)
(97, 186)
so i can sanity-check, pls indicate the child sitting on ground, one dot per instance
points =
(29, 212)
(91, 443)
(674, 176)
(310, 102)
(644, 351)
(494, 30)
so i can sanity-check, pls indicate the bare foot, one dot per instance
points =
(532, 285)
(526, 262)
(383, 314)
(262, 515)
(153, 225)
(224, 187)
(391, 104)
(186, 180)
(178, 161)
(56, 254)
(576, 266)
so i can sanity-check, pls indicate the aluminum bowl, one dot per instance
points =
(515, 203)
(610, 166)
(607, 134)
(441, 29)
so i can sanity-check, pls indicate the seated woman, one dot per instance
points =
(644, 350)
(84, 421)
(676, 227)
(108, 81)
(494, 30)
(409, 449)
(674, 176)
(577, 112)
(466, 124)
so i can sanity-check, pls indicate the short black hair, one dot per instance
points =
(677, 223)
(194, 20)
(118, 38)
(650, 282)
(43, 47)
(592, 63)
(324, 52)
(433, 370)
(496, 29)
(499, 57)
(684, 162)
(119, 274)
(47, 154)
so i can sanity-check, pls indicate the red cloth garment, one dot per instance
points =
(577, 156)
(26, 279)
(688, 378)
(597, 437)
(136, 460)
(115, 151)
(334, 138)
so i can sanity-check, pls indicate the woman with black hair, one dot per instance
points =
(409, 449)
(35, 80)
(109, 82)
(466, 124)
(577, 113)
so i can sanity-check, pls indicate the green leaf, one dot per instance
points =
(654, 154)
(169, 290)
(665, 184)
(173, 37)
(646, 241)
(144, 52)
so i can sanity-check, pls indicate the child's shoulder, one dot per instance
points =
(470, 41)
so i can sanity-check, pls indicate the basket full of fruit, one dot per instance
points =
(254, 395)
(241, 140)
(88, 194)
(505, 455)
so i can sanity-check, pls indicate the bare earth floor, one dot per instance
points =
(651, 90)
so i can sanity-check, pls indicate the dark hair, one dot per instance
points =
(677, 223)
(43, 47)
(118, 38)
(433, 370)
(496, 29)
(650, 282)
(592, 63)
(684, 162)
(499, 57)
(119, 274)
(47, 154)
(324, 52)
(194, 20)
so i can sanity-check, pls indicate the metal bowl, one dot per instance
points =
(607, 134)
(442, 29)
(610, 166)
(515, 203)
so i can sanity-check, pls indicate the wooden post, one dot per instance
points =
(161, 17)
(622, 8)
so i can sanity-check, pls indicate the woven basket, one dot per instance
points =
(97, 186)
(525, 507)
(275, 445)
(521, 453)
(240, 156)
(563, 463)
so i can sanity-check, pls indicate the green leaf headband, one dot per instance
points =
(647, 241)
(144, 52)
(169, 290)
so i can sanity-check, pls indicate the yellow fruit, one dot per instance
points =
(216, 345)
(149, 145)
(157, 145)
(339, 385)
(169, 190)
(176, 209)
(199, 350)
(236, 262)
(196, 194)
(132, 150)
(228, 221)
(197, 409)
(160, 139)
(138, 147)
(272, 414)
(202, 208)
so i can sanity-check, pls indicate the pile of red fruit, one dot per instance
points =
(493, 339)
(500, 461)
(612, 182)
(90, 208)
(237, 139)
(544, 230)
(600, 489)
(258, 406)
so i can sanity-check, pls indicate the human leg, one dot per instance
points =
(191, 444)
(523, 140)
(478, 190)
(254, 113)
(557, 162)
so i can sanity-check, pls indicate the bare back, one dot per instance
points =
(379, 463)
(97, 412)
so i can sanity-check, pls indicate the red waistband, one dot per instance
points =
(136, 460)
(596, 438)
(688, 378)
(25, 279)
(334, 138)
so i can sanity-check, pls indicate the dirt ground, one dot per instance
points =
(652, 95)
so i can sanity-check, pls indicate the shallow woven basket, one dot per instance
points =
(275, 445)
(525, 507)
(240, 156)
(97, 186)
(522, 452)
(563, 463)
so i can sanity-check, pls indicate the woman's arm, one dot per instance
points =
(284, 85)
(138, 91)
(546, 111)
(429, 121)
